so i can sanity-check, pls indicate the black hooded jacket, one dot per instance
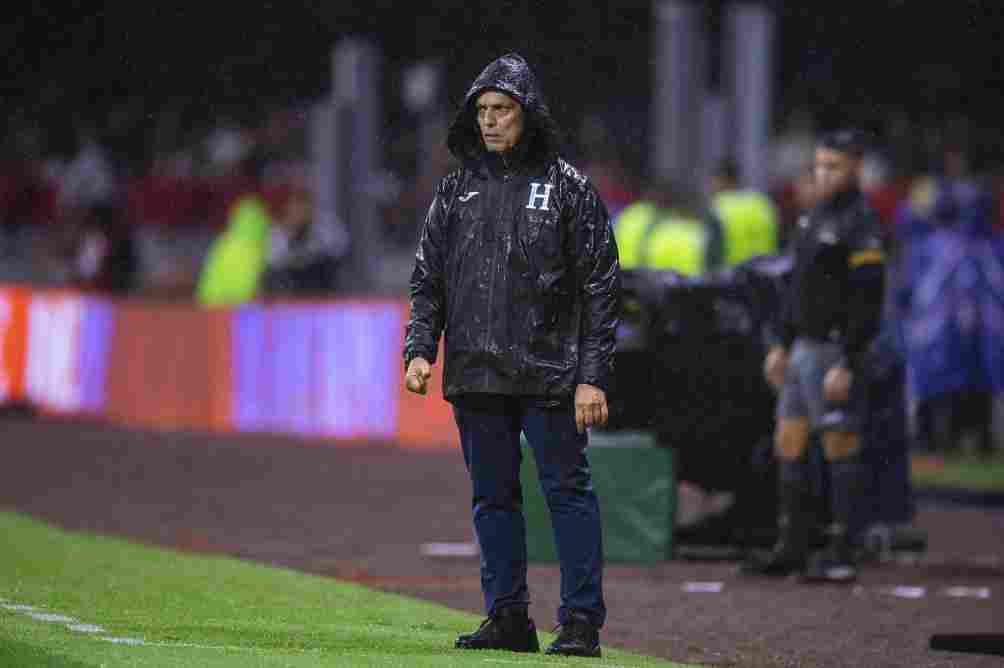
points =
(516, 264)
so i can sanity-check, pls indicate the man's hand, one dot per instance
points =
(837, 385)
(775, 366)
(590, 407)
(418, 373)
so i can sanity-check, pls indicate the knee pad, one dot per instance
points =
(839, 445)
(791, 438)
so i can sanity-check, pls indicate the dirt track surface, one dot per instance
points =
(363, 513)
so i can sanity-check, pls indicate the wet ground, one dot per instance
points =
(364, 513)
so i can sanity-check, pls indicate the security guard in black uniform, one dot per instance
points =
(831, 315)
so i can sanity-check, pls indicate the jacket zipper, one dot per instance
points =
(495, 252)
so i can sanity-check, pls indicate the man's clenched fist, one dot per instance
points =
(590, 407)
(418, 373)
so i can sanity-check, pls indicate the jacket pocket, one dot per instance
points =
(548, 324)
(542, 235)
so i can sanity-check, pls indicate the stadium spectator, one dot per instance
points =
(303, 255)
(748, 218)
(806, 192)
(236, 260)
(882, 187)
(106, 258)
(793, 147)
(793, 199)
(226, 146)
(529, 302)
(89, 180)
(604, 165)
(27, 198)
(87, 189)
(832, 314)
(669, 229)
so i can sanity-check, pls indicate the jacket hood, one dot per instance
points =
(509, 74)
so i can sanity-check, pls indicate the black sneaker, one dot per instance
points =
(510, 628)
(577, 637)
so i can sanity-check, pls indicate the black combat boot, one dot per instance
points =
(791, 551)
(836, 564)
(510, 628)
(577, 637)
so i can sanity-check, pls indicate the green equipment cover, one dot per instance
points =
(634, 481)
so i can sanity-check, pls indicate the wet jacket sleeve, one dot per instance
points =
(866, 265)
(428, 285)
(598, 273)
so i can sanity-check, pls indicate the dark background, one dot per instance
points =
(937, 63)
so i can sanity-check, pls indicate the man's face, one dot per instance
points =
(836, 172)
(500, 119)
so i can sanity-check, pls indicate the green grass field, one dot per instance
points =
(161, 608)
(963, 471)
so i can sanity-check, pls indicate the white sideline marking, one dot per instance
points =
(86, 628)
(901, 591)
(124, 641)
(450, 550)
(140, 642)
(906, 592)
(47, 617)
(967, 592)
(73, 625)
(226, 648)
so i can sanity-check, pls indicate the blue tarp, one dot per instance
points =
(952, 298)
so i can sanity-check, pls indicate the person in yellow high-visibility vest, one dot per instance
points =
(748, 217)
(236, 259)
(668, 230)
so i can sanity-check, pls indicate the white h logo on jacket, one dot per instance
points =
(537, 196)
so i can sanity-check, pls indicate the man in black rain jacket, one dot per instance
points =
(517, 268)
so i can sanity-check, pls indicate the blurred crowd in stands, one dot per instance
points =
(134, 212)
(224, 214)
(154, 210)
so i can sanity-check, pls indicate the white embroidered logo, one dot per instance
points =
(469, 196)
(537, 196)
